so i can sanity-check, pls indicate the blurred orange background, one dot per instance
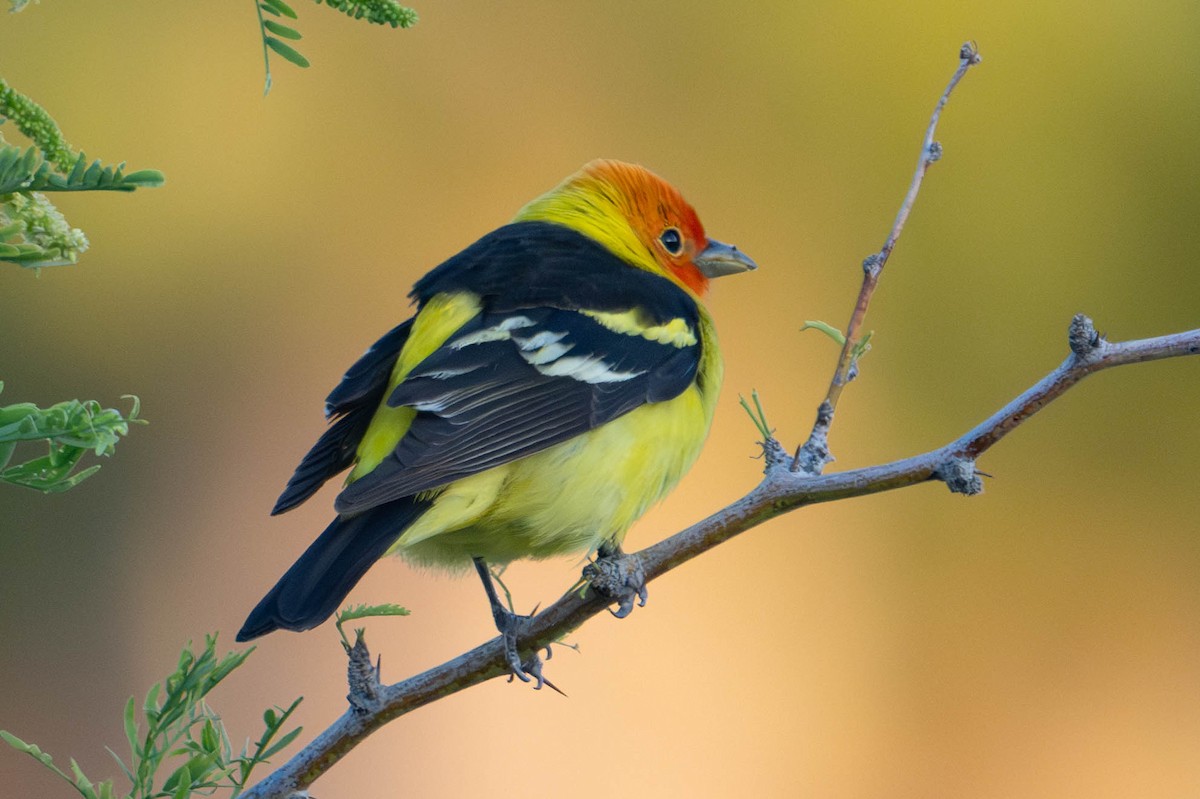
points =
(1041, 640)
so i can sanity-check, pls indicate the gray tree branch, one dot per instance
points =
(812, 456)
(781, 490)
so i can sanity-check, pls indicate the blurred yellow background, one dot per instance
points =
(1041, 640)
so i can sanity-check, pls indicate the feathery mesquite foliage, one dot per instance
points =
(377, 12)
(33, 233)
(71, 429)
(274, 32)
(179, 725)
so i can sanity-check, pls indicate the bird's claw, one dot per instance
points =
(527, 671)
(511, 626)
(530, 670)
(619, 577)
(626, 601)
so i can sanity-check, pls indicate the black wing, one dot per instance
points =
(350, 405)
(512, 383)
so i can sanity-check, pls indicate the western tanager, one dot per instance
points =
(558, 378)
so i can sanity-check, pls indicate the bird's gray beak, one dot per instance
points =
(718, 260)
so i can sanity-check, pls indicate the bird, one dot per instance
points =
(558, 378)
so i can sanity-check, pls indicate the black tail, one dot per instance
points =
(310, 591)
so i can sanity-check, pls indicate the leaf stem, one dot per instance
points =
(262, 34)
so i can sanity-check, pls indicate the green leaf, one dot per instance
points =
(827, 329)
(364, 612)
(370, 611)
(180, 783)
(35, 752)
(42, 475)
(278, 8)
(196, 770)
(76, 173)
(91, 176)
(82, 783)
(21, 746)
(281, 30)
(210, 741)
(124, 768)
(862, 347)
(144, 178)
(263, 748)
(150, 708)
(286, 51)
(8, 156)
(18, 412)
(131, 730)
(31, 160)
(281, 744)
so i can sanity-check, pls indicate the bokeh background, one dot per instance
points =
(1041, 640)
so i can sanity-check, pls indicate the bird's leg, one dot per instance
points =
(618, 577)
(511, 625)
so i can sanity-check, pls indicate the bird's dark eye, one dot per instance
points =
(671, 239)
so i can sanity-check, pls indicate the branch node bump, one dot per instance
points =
(872, 264)
(960, 476)
(1082, 336)
(774, 455)
(813, 454)
(969, 52)
(363, 677)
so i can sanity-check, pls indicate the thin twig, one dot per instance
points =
(812, 456)
(781, 490)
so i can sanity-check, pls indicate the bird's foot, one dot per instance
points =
(619, 577)
(512, 627)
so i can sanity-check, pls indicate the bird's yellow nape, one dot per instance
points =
(634, 213)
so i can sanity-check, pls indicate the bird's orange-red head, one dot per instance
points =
(641, 218)
(665, 223)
